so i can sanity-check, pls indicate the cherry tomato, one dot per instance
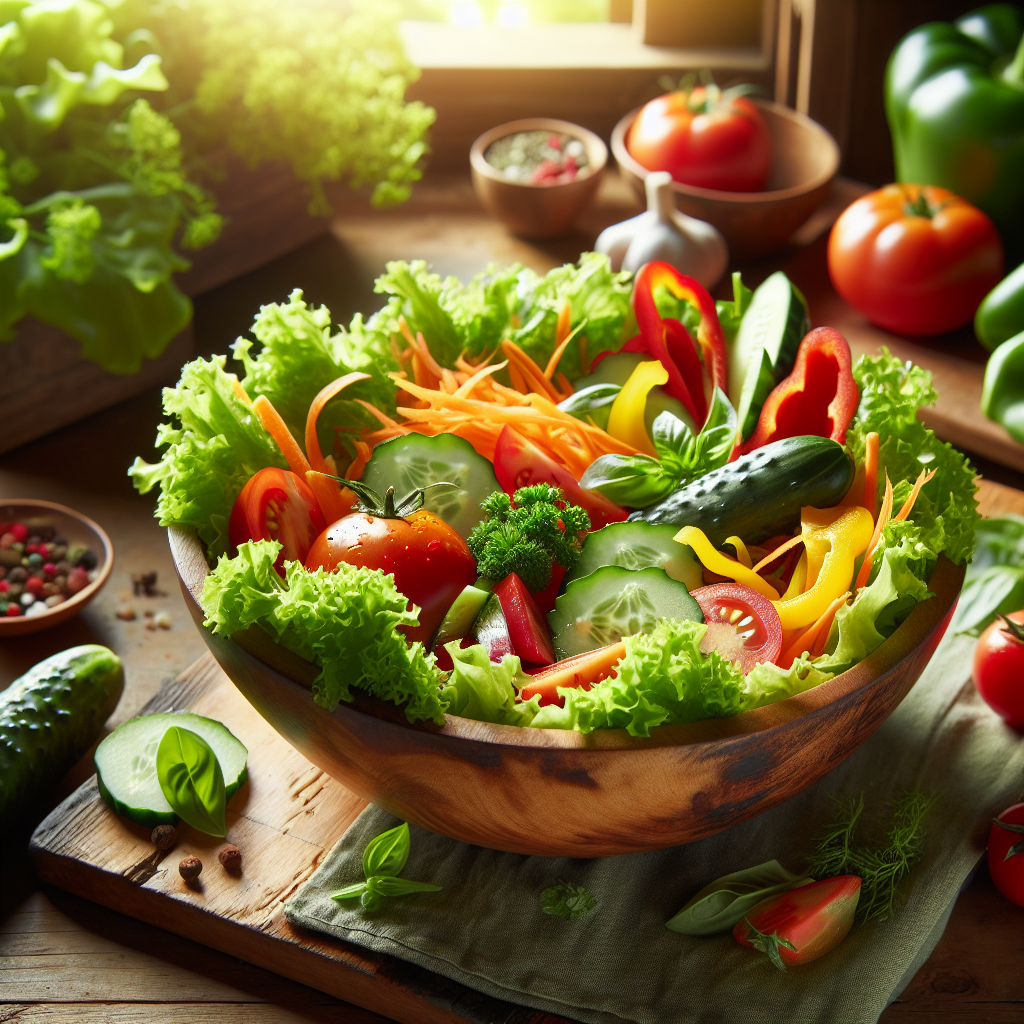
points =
(914, 259)
(999, 669)
(428, 559)
(742, 625)
(277, 504)
(721, 145)
(1006, 869)
(802, 924)
(519, 463)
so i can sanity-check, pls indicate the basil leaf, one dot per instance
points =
(671, 436)
(999, 588)
(350, 891)
(388, 885)
(192, 781)
(718, 906)
(387, 853)
(633, 480)
(721, 414)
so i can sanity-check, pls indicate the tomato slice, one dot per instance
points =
(277, 504)
(526, 627)
(520, 463)
(742, 625)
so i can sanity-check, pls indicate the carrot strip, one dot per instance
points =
(880, 523)
(871, 473)
(778, 552)
(275, 426)
(531, 372)
(518, 380)
(313, 453)
(908, 505)
(465, 389)
(331, 498)
(564, 325)
(240, 392)
(806, 640)
(556, 356)
(583, 671)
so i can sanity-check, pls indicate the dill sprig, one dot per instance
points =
(567, 900)
(880, 871)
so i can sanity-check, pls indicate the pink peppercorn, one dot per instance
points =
(31, 549)
(50, 569)
(5, 585)
(12, 610)
(20, 531)
(34, 585)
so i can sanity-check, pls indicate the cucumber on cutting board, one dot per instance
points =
(765, 348)
(126, 764)
(761, 493)
(416, 460)
(49, 718)
(613, 602)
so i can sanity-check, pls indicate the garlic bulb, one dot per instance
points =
(692, 246)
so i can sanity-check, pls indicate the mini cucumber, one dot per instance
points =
(638, 546)
(458, 622)
(613, 602)
(126, 764)
(416, 460)
(49, 718)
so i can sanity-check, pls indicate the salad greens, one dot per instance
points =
(567, 900)
(995, 578)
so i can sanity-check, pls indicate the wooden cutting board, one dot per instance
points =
(285, 820)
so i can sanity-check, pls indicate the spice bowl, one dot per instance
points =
(805, 159)
(71, 527)
(534, 209)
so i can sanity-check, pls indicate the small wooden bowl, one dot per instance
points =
(77, 529)
(562, 794)
(528, 209)
(805, 159)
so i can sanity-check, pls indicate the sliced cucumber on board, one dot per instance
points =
(49, 718)
(638, 546)
(126, 764)
(416, 460)
(765, 348)
(613, 602)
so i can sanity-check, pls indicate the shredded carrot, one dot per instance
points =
(530, 371)
(334, 502)
(564, 325)
(275, 426)
(908, 505)
(871, 473)
(556, 356)
(466, 388)
(358, 464)
(880, 523)
(778, 552)
(807, 640)
(240, 392)
(313, 453)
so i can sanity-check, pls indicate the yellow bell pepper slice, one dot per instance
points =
(626, 419)
(798, 581)
(832, 545)
(713, 559)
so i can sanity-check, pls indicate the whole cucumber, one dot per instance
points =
(760, 494)
(49, 718)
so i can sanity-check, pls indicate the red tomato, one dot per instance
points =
(724, 145)
(277, 504)
(1006, 869)
(803, 924)
(519, 463)
(999, 669)
(742, 625)
(526, 626)
(914, 259)
(428, 559)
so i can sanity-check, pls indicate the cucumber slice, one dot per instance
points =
(613, 602)
(461, 616)
(624, 545)
(415, 460)
(126, 764)
(765, 347)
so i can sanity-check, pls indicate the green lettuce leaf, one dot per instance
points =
(343, 621)
(484, 691)
(766, 683)
(995, 578)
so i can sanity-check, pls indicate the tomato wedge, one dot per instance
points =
(520, 463)
(742, 625)
(526, 626)
(277, 504)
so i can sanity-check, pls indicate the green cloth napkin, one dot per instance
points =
(487, 930)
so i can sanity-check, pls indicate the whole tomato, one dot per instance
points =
(999, 668)
(704, 137)
(430, 562)
(1005, 867)
(916, 260)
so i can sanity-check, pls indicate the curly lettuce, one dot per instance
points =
(484, 690)
(343, 621)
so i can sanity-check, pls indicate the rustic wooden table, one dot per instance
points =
(65, 959)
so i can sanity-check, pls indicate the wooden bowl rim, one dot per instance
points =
(597, 151)
(930, 615)
(86, 594)
(626, 161)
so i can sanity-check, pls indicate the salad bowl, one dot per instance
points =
(555, 792)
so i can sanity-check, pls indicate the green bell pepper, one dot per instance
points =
(1001, 313)
(1002, 398)
(954, 97)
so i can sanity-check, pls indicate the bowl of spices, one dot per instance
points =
(537, 175)
(53, 562)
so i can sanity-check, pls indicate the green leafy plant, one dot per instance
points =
(383, 858)
(192, 781)
(567, 900)
(995, 578)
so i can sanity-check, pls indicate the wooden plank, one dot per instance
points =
(192, 1013)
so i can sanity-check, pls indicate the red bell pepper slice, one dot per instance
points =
(819, 397)
(526, 627)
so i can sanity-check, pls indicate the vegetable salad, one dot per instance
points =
(582, 500)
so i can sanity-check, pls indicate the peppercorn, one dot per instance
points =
(190, 869)
(164, 837)
(231, 857)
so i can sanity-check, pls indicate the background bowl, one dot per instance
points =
(77, 529)
(805, 159)
(536, 211)
(558, 793)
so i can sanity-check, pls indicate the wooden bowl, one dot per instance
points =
(558, 793)
(528, 209)
(805, 159)
(78, 529)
